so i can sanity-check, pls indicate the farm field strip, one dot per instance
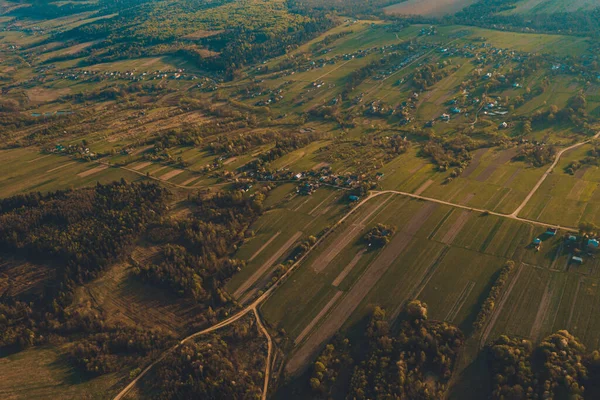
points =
(349, 234)
(336, 282)
(268, 264)
(361, 288)
(496, 313)
(318, 317)
(460, 301)
(264, 246)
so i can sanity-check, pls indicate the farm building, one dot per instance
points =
(577, 260)
(551, 231)
(593, 243)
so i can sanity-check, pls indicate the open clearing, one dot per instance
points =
(429, 8)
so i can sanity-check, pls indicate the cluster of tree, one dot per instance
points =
(286, 144)
(490, 302)
(196, 258)
(326, 369)
(428, 75)
(557, 368)
(450, 152)
(591, 159)
(379, 235)
(359, 75)
(536, 154)
(107, 351)
(415, 364)
(227, 366)
(82, 230)
(233, 145)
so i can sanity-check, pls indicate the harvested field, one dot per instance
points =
(62, 166)
(314, 210)
(496, 313)
(92, 171)
(501, 158)
(581, 172)
(187, 182)
(474, 163)
(268, 264)
(264, 246)
(348, 268)
(541, 313)
(319, 166)
(350, 234)
(171, 174)
(356, 294)
(460, 302)
(229, 160)
(159, 169)
(422, 281)
(44, 95)
(349, 303)
(510, 180)
(38, 158)
(318, 317)
(423, 187)
(456, 227)
(141, 165)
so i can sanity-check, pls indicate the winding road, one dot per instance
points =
(253, 307)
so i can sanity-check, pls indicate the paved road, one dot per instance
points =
(548, 171)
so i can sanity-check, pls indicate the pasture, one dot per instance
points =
(428, 8)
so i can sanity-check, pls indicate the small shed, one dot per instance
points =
(537, 241)
(593, 243)
(572, 238)
(551, 231)
(353, 198)
(577, 260)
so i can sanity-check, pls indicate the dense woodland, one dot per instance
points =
(195, 259)
(76, 235)
(415, 361)
(227, 365)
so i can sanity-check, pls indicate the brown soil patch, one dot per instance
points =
(423, 187)
(348, 268)
(319, 166)
(581, 172)
(201, 34)
(229, 160)
(43, 95)
(20, 277)
(318, 317)
(38, 159)
(456, 227)
(474, 162)
(92, 171)
(265, 267)
(159, 169)
(141, 165)
(171, 174)
(62, 166)
(264, 246)
(416, 168)
(350, 234)
(189, 181)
